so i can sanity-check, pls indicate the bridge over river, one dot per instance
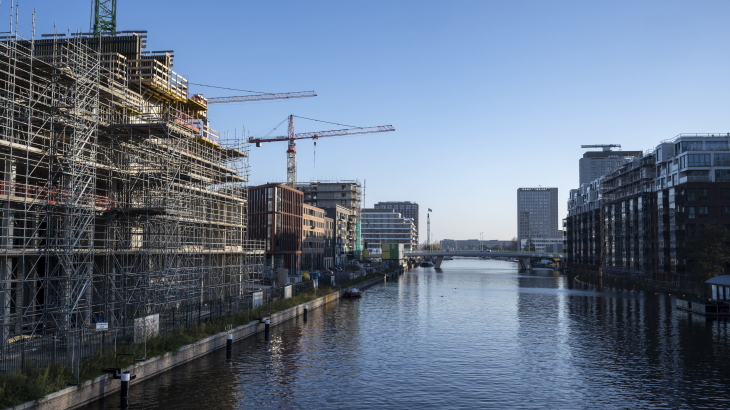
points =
(524, 258)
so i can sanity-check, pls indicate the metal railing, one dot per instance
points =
(42, 351)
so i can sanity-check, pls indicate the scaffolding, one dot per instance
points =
(118, 199)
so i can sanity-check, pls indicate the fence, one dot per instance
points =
(44, 351)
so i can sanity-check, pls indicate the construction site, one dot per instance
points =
(119, 201)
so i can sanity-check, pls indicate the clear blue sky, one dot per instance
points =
(486, 96)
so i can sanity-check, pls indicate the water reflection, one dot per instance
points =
(473, 334)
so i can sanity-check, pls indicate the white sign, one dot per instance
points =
(146, 327)
(102, 325)
(258, 299)
(287, 292)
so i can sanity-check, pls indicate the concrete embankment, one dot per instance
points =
(92, 390)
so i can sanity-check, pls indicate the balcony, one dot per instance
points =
(699, 164)
(722, 163)
(698, 178)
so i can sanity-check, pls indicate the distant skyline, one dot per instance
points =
(485, 96)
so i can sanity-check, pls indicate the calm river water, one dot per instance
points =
(475, 334)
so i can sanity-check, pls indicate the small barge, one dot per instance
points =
(719, 305)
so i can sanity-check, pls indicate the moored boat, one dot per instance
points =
(353, 293)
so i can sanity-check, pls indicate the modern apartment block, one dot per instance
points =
(344, 231)
(276, 218)
(407, 209)
(595, 164)
(334, 195)
(537, 213)
(386, 226)
(313, 238)
(648, 208)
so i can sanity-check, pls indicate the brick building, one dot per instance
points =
(275, 216)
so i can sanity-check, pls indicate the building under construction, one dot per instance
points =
(118, 200)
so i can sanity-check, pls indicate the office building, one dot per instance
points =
(407, 209)
(386, 226)
(537, 213)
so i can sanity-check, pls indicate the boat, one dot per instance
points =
(448, 258)
(353, 293)
(426, 264)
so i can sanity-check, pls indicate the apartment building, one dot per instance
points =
(386, 226)
(343, 233)
(648, 209)
(313, 238)
(276, 215)
(537, 213)
(331, 196)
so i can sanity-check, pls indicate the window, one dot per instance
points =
(683, 162)
(600, 163)
(691, 146)
(703, 211)
(593, 168)
(698, 160)
(603, 168)
(726, 212)
(702, 194)
(716, 145)
(722, 175)
(690, 194)
(593, 174)
(726, 194)
(722, 159)
(691, 212)
(609, 163)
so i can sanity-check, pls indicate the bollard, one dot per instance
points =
(229, 346)
(267, 325)
(305, 313)
(125, 390)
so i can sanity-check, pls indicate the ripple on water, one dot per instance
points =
(478, 334)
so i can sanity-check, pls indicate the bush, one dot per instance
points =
(32, 383)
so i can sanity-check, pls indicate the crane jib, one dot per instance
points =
(333, 133)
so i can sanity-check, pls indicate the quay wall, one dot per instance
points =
(104, 385)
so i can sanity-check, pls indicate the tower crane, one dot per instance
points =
(255, 97)
(291, 152)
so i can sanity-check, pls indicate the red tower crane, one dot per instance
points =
(291, 152)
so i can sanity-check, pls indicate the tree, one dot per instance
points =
(497, 247)
(513, 244)
(708, 252)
